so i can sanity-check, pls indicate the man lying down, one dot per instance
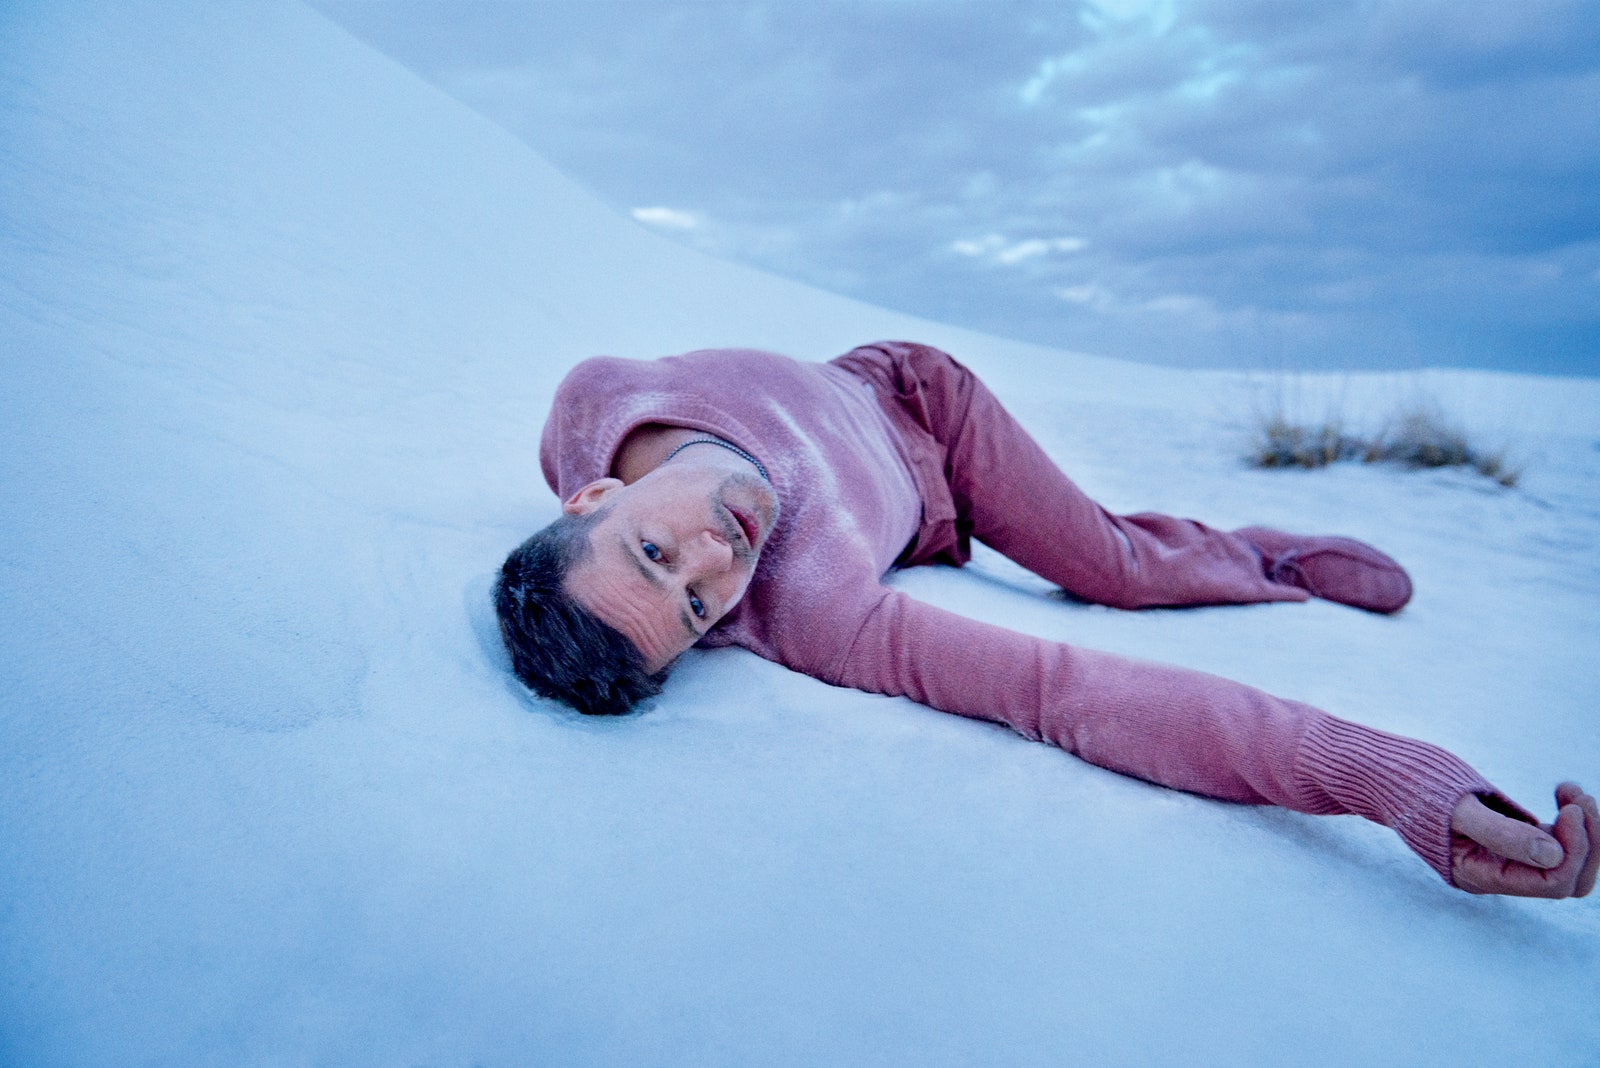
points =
(737, 497)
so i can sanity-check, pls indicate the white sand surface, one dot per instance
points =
(279, 325)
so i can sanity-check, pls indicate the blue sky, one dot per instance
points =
(1232, 183)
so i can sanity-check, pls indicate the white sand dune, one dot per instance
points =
(279, 325)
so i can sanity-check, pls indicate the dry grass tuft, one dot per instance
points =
(1281, 443)
(1416, 437)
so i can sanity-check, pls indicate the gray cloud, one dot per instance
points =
(1339, 184)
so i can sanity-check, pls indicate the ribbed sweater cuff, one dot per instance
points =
(1404, 784)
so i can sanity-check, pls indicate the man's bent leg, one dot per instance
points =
(1012, 497)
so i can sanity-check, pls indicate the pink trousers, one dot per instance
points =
(981, 475)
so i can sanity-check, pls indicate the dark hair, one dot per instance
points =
(559, 648)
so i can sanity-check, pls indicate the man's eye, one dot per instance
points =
(651, 550)
(697, 607)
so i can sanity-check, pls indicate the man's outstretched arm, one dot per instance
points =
(1211, 736)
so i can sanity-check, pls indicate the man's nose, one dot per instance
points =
(711, 553)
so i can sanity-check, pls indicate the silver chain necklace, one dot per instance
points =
(724, 444)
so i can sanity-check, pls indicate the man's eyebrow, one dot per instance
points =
(650, 574)
(688, 625)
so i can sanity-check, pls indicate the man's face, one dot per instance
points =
(673, 553)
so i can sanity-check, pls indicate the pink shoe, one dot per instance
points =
(1335, 569)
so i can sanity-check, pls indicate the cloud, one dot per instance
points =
(1088, 295)
(666, 218)
(1007, 253)
(1338, 181)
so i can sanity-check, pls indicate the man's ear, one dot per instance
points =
(591, 496)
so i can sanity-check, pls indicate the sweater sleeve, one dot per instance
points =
(1168, 725)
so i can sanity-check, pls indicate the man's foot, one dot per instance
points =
(1335, 569)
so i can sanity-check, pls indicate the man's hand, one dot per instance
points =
(1497, 854)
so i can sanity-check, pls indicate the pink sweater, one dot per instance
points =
(850, 504)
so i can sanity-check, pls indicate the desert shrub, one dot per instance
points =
(1419, 436)
(1282, 443)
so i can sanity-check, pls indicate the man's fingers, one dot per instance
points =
(1506, 837)
(1591, 869)
(1480, 870)
(1571, 794)
(1572, 831)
